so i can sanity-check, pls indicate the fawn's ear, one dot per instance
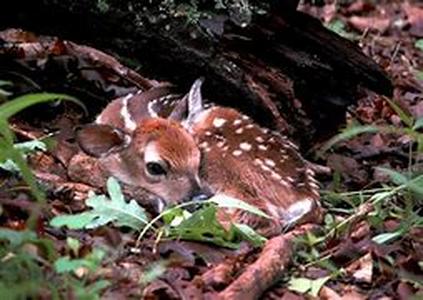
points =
(101, 140)
(195, 101)
(190, 106)
(180, 111)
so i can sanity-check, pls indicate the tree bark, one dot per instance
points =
(284, 69)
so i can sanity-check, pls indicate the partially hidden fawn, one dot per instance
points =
(179, 149)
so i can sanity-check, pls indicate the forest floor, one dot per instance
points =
(370, 245)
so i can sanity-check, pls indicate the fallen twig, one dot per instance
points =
(271, 264)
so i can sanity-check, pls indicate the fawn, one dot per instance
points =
(179, 149)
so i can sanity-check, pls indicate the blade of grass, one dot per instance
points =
(14, 106)
(405, 117)
(347, 134)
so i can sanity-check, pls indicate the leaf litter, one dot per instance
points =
(375, 254)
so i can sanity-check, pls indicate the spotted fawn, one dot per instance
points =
(179, 148)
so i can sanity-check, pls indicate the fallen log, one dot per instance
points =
(283, 68)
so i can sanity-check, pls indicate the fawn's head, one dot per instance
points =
(157, 154)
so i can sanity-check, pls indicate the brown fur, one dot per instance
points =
(285, 181)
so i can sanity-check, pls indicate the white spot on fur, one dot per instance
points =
(262, 147)
(245, 146)
(236, 152)
(239, 130)
(128, 122)
(276, 176)
(314, 185)
(203, 145)
(237, 122)
(310, 172)
(290, 179)
(208, 133)
(284, 183)
(249, 126)
(265, 168)
(218, 122)
(244, 117)
(220, 144)
(151, 154)
(269, 162)
(259, 139)
(258, 161)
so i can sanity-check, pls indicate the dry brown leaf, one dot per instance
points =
(415, 18)
(380, 24)
(362, 269)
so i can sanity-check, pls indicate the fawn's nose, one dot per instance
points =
(199, 192)
(201, 196)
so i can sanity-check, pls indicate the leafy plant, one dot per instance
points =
(400, 199)
(339, 28)
(411, 129)
(8, 151)
(106, 210)
(202, 225)
(25, 257)
(25, 148)
(304, 285)
(21, 274)
(90, 262)
(205, 217)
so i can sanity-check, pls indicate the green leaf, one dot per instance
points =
(73, 245)
(339, 28)
(414, 184)
(91, 262)
(418, 124)
(347, 134)
(249, 234)
(66, 264)
(203, 226)
(18, 104)
(305, 285)
(16, 156)
(25, 148)
(395, 176)
(104, 210)
(16, 238)
(419, 44)
(5, 83)
(96, 287)
(388, 237)
(229, 202)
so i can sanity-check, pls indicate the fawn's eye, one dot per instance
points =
(155, 169)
